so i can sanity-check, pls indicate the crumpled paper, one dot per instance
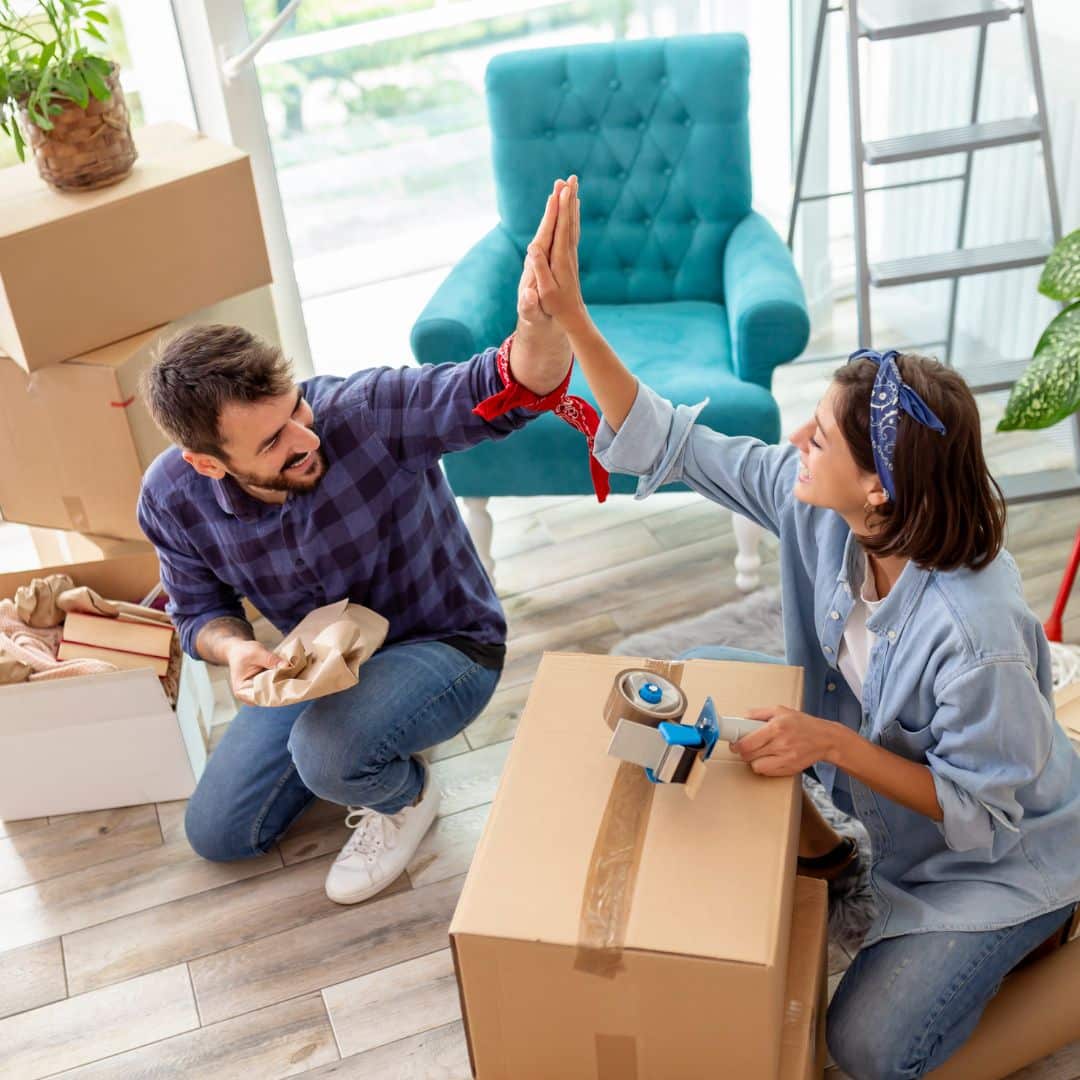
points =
(37, 605)
(12, 670)
(322, 655)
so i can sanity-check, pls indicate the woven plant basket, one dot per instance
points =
(87, 148)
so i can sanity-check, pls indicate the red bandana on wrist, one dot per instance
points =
(577, 412)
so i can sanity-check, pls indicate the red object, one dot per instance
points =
(122, 404)
(1052, 626)
(577, 412)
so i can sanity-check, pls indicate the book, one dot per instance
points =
(74, 650)
(119, 634)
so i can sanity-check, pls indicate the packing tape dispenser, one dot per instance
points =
(645, 712)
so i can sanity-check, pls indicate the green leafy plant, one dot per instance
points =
(1049, 390)
(45, 61)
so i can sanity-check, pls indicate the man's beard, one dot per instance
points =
(281, 481)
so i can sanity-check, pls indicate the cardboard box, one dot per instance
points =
(76, 437)
(802, 1038)
(117, 569)
(96, 741)
(78, 271)
(1036, 1011)
(705, 948)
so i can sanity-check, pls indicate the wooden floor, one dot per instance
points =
(122, 954)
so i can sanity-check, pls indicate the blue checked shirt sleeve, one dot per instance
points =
(424, 412)
(196, 594)
(994, 733)
(663, 444)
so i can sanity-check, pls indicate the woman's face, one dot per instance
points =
(828, 475)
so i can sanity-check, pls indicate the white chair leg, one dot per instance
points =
(748, 536)
(480, 525)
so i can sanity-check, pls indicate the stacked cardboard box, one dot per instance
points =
(713, 962)
(91, 285)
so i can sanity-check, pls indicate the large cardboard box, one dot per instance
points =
(802, 1038)
(78, 271)
(76, 437)
(117, 569)
(96, 741)
(704, 950)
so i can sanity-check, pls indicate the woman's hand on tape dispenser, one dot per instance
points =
(789, 741)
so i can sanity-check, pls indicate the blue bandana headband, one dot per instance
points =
(889, 396)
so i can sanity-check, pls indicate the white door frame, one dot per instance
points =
(212, 31)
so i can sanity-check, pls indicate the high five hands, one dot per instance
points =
(550, 287)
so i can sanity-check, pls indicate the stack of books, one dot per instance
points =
(126, 641)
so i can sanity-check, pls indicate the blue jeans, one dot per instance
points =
(355, 748)
(908, 1003)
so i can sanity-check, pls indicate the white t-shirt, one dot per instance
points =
(855, 646)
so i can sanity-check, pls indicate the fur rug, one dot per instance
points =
(755, 622)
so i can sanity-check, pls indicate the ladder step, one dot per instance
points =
(959, 263)
(880, 20)
(986, 377)
(952, 140)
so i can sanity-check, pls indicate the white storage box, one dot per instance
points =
(98, 741)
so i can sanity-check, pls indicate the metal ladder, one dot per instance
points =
(885, 20)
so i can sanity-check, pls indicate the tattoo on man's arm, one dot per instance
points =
(213, 638)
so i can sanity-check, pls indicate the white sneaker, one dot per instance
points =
(380, 847)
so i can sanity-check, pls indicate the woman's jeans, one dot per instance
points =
(357, 748)
(909, 1003)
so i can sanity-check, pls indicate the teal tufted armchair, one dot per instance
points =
(694, 290)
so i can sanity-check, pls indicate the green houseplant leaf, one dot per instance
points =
(1061, 276)
(1049, 390)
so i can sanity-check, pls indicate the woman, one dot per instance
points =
(928, 687)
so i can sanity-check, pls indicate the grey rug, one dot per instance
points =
(755, 622)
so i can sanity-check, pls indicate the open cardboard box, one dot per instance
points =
(76, 437)
(97, 741)
(79, 271)
(705, 950)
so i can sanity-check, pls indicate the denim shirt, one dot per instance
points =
(959, 680)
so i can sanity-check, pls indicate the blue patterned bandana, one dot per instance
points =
(889, 396)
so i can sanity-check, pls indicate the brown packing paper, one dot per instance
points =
(88, 602)
(322, 655)
(12, 670)
(36, 604)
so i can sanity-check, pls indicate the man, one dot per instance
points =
(296, 496)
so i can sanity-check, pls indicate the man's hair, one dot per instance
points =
(202, 370)
(949, 511)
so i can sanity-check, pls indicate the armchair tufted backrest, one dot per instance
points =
(658, 135)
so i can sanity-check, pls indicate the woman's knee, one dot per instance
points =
(863, 1050)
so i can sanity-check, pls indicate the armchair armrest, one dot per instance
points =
(765, 301)
(475, 307)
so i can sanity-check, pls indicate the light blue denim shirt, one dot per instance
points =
(958, 680)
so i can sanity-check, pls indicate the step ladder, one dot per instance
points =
(885, 20)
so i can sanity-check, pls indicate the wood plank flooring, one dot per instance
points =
(122, 954)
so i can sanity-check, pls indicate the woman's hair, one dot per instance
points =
(948, 511)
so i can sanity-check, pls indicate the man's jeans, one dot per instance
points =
(355, 748)
(908, 1003)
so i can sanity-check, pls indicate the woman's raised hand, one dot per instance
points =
(556, 271)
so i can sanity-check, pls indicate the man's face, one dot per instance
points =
(271, 444)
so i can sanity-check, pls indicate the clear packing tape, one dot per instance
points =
(616, 854)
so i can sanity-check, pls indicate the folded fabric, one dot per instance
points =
(37, 605)
(34, 647)
(322, 655)
(12, 670)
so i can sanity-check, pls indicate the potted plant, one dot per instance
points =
(59, 96)
(1049, 390)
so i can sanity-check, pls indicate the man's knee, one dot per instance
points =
(211, 837)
